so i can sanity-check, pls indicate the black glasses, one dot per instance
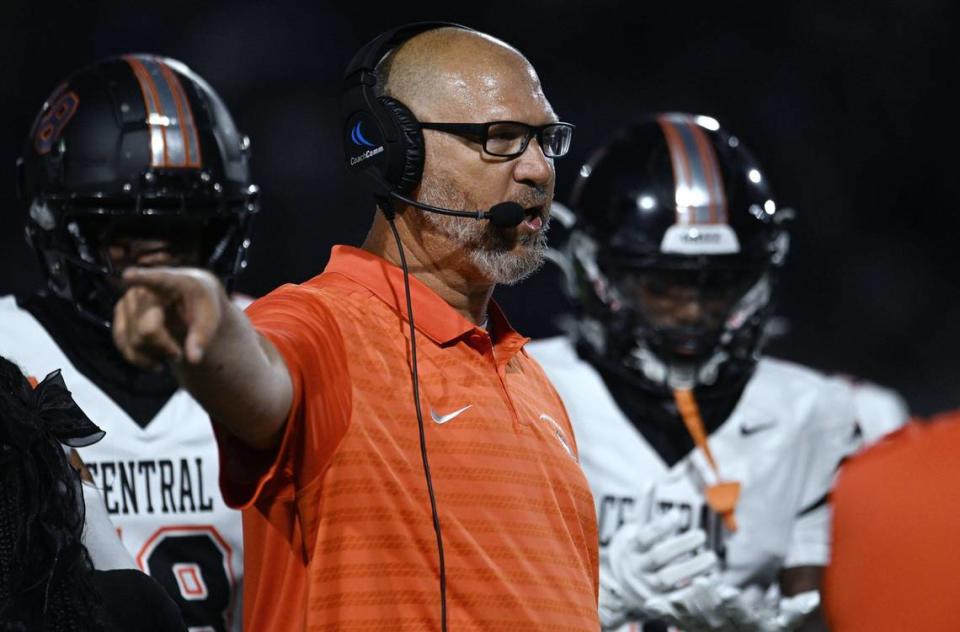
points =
(509, 139)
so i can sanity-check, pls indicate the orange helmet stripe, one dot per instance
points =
(173, 131)
(682, 177)
(698, 186)
(154, 112)
(185, 118)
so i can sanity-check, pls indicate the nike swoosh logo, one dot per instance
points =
(746, 431)
(442, 419)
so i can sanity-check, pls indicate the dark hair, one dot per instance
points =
(46, 576)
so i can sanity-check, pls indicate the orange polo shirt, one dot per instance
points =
(338, 533)
(896, 520)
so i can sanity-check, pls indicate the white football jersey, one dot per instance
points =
(159, 483)
(783, 443)
(880, 410)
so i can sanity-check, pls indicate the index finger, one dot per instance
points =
(166, 280)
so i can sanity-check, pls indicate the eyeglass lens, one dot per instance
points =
(510, 139)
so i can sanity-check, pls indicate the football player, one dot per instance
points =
(135, 160)
(710, 465)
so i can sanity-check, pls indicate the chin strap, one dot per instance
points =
(722, 496)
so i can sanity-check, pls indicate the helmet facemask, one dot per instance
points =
(85, 252)
(689, 325)
(677, 321)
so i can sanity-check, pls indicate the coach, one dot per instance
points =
(358, 514)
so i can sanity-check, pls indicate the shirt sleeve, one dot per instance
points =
(830, 437)
(880, 410)
(304, 331)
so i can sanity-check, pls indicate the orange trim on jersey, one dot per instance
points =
(207, 529)
(33, 381)
(188, 528)
(722, 496)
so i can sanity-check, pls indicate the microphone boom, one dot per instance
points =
(502, 215)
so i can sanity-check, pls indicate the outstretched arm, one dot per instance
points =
(182, 316)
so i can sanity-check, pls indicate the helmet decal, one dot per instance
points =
(173, 132)
(55, 119)
(699, 187)
(708, 239)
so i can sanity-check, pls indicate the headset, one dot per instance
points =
(383, 140)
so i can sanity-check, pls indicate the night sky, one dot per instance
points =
(845, 107)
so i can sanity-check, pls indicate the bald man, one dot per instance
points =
(311, 390)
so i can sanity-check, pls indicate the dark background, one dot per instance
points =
(845, 106)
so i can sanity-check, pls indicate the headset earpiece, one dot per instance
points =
(406, 158)
(381, 136)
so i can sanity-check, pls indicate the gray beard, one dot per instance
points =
(493, 251)
(490, 250)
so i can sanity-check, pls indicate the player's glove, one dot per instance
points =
(648, 560)
(707, 605)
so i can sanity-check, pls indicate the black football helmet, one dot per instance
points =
(140, 146)
(672, 260)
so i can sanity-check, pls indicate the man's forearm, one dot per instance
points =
(241, 381)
